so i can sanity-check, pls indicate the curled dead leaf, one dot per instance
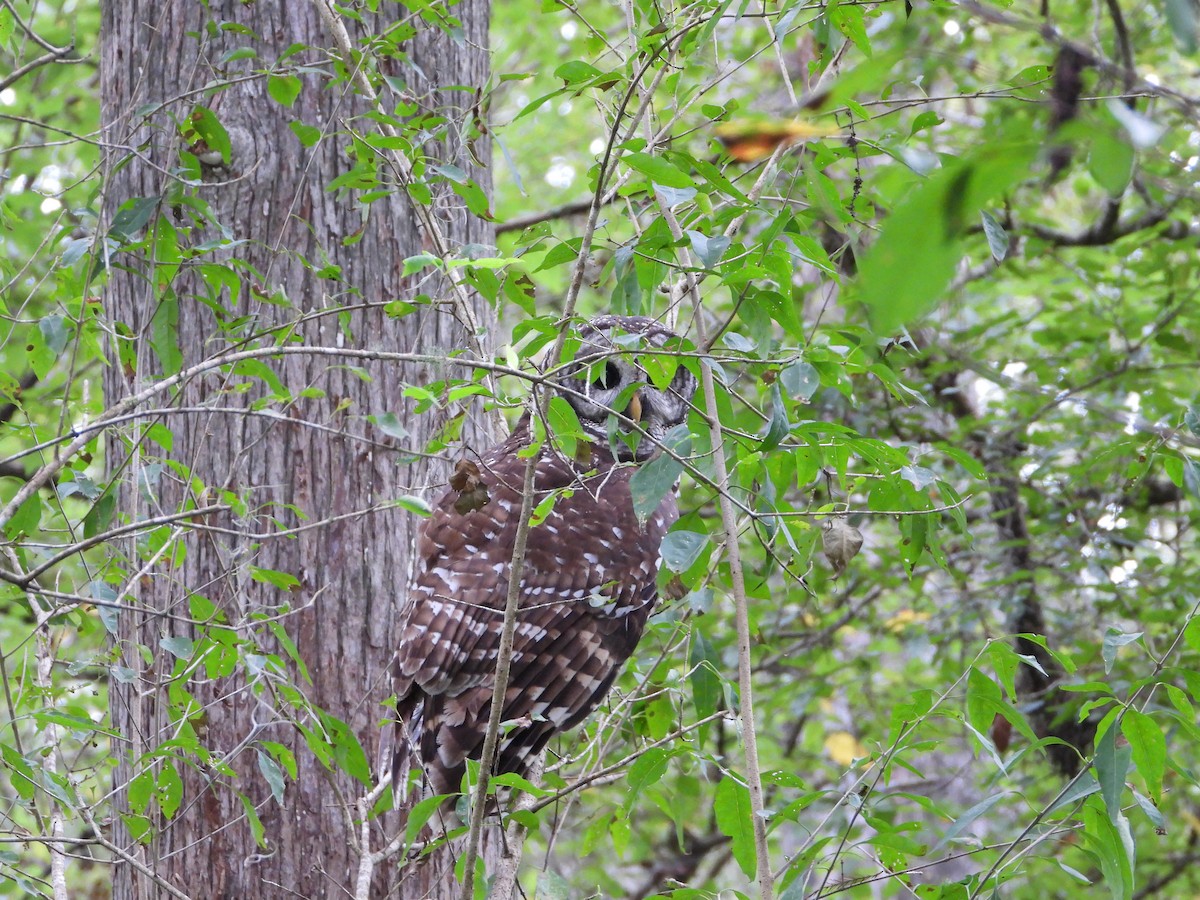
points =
(752, 139)
(841, 543)
(468, 481)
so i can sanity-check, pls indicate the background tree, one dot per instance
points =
(935, 265)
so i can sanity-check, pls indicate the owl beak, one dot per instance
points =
(634, 410)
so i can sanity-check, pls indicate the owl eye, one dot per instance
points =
(609, 379)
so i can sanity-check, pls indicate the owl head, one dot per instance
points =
(605, 377)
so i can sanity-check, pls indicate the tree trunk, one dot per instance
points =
(282, 442)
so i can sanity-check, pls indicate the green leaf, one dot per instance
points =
(389, 423)
(801, 380)
(170, 789)
(54, 333)
(272, 772)
(778, 426)
(308, 135)
(416, 505)
(20, 772)
(564, 426)
(680, 549)
(1109, 842)
(983, 700)
(100, 516)
(849, 20)
(164, 334)
(141, 789)
(653, 479)
(132, 218)
(1149, 749)
(658, 170)
(1111, 763)
(284, 89)
(1111, 163)
(575, 71)
(209, 128)
(552, 886)
(706, 682)
(911, 263)
(414, 264)
(1185, 24)
(997, 237)
(708, 249)
(285, 581)
(178, 646)
(256, 825)
(646, 770)
(963, 822)
(1113, 641)
(25, 520)
(347, 751)
(732, 808)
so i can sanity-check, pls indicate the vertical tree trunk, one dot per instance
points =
(306, 461)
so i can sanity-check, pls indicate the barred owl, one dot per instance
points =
(587, 586)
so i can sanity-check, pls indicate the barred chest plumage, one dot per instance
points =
(587, 587)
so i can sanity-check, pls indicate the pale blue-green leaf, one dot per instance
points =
(1113, 641)
(1112, 763)
(651, 482)
(680, 549)
(708, 249)
(997, 237)
(178, 646)
(273, 774)
(801, 380)
(1184, 20)
(967, 819)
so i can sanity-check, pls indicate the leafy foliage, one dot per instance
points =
(936, 267)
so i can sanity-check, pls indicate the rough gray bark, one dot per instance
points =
(157, 58)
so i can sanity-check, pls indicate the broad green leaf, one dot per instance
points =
(1184, 19)
(967, 819)
(132, 218)
(284, 89)
(1111, 762)
(285, 581)
(651, 482)
(1111, 162)
(208, 128)
(26, 518)
(732, 808)
(179, 646)
(1113, 641)
(272, 772)
(680, 549)
(706, 682)
(1108, 841)
(709, 250)
(576, 71)
(997, 237)
(170, 789)
(658, 170)
(646, 770)
(912, 261)
(778, 426)
(800, 380)
(1149, 749)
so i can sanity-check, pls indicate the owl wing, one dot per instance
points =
(587, 586)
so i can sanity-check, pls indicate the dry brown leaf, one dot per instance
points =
(472, 492)
(841, 542)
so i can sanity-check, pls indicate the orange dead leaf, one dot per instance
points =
(749, 140)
